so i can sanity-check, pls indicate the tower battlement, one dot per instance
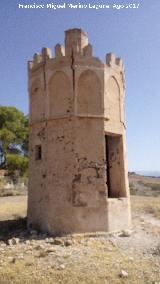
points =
(114, 62)
(76, 45)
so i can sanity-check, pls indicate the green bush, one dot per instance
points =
(13, 129)
(17, 164)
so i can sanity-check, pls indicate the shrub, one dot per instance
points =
(17, 165)
(133, 189)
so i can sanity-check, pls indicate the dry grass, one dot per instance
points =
(10, 207)
(16, 209)
(146, 204)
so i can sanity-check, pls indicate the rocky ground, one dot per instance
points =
(131, 256)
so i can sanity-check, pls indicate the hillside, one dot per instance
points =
(144, 185)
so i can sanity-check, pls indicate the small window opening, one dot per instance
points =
(38, 152)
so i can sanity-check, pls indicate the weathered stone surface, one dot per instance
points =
(78, 178)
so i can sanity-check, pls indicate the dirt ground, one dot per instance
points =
(126, 257)
(12, 207)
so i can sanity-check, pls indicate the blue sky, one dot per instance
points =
(132, 34)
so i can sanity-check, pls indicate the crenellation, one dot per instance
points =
(87, 50)
(37, 58)
(46, 53)
(110, 59)
(30, 65)
(114, 62)
(59, 50)
(40, 57)
(119, 62)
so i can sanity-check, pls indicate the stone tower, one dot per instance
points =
(78, 179)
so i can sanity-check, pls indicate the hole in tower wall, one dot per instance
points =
(38, 152)
(115, 176)
(35, 90)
